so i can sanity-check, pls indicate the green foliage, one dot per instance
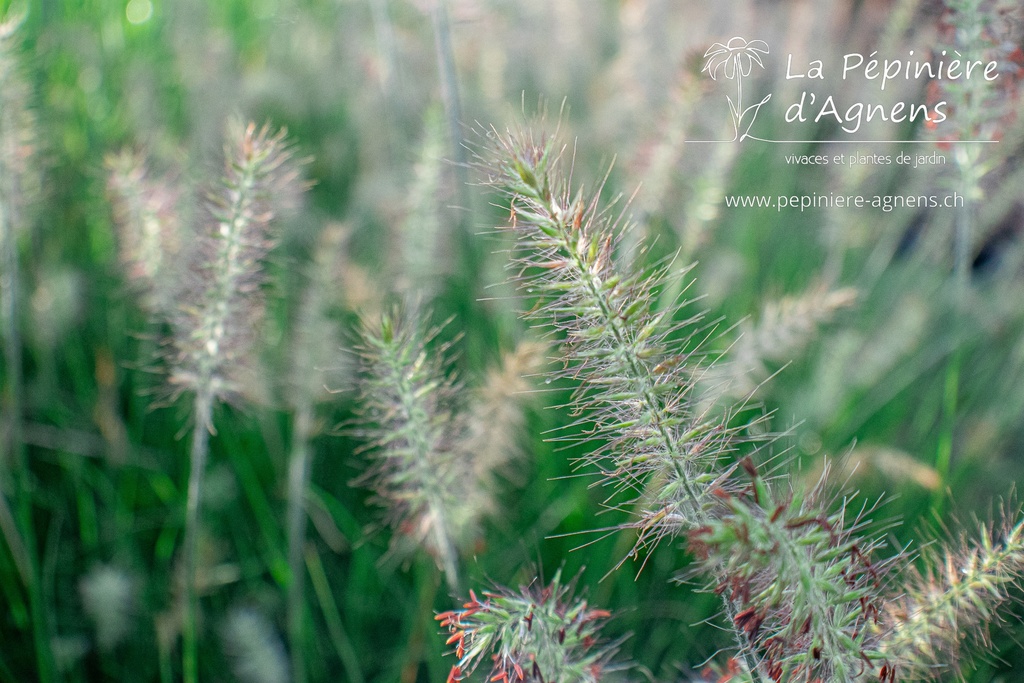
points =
(886, 345)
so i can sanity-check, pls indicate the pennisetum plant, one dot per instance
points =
(219, 298)
(782, 330)
(410, 420)
(949, 603)
(435, 461)
(803, 590)
(314, 367)
(495, 420)
(148, 213)
(534, 634)
(19, 185)
(213, 333)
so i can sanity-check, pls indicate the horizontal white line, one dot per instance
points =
(854, 142)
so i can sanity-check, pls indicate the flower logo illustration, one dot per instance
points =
(735, 60)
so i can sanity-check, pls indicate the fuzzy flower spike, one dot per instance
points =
(535, 635)
(796, 576)
(214, 331)
(215, 328)
(408, 420)
(631, 385)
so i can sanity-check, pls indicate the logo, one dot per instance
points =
(823, 100)
(736, 60)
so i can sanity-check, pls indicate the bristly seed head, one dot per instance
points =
(409, 419)
(656, 445)
(215, 327)
(535, 635)
(952, 600)
(147, 212)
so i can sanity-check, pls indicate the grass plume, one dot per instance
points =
(435, 459)
(635, 387)
(422, 234)
(147, 212)
(407, 415)
(214, 330)
(253, 647)
(950, 603)
(496, 419)
(805, 590)
(783, 329)
(529, 636)
(110, 597)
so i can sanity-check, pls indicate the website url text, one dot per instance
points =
(804, 202)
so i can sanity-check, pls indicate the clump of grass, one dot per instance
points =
(802, 590)
(531, 635)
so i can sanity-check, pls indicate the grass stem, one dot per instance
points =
(335, 627)
(200, 452)
(298, 484)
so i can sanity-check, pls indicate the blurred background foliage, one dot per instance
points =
(891, 359)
